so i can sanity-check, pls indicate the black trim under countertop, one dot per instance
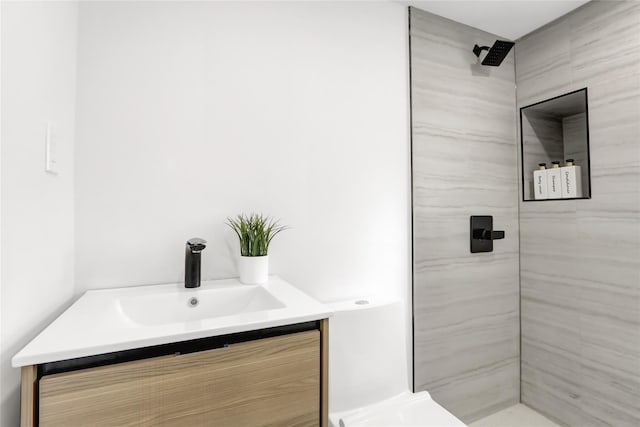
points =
(180, 347)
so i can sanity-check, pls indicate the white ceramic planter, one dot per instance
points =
(254, 270)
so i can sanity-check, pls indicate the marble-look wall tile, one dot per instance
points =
(543, 63)
(466, 335)
(542, 140)
(574, 135)
(605, 41)
(580, 259)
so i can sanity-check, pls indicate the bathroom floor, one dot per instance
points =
(515, 416)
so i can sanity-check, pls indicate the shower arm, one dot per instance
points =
(477, 49)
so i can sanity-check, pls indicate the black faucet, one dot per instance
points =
(192, 262)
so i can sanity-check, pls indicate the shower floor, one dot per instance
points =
(515, 416)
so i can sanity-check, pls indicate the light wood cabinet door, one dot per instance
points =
(268, 382)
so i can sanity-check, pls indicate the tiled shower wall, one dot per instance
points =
(543, 138)
(580, 259)
(466, 334)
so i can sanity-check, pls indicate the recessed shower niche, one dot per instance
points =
(555, 148)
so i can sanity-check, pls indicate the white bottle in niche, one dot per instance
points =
(540, 182)
(553, 181)
(571, 182)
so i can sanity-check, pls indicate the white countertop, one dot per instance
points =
(98, 323)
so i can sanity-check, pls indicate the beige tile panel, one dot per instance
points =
(515, 416)
(580, 260)
(543, 65)
(605, 41)
(464, 163)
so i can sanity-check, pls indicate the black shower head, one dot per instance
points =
(496, 54)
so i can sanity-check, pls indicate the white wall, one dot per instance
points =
(1, 133)
(192, 112)
(38, 85)
(188, 113)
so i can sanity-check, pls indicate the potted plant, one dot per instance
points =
(255, 232)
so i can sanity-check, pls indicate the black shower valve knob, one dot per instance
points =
(484, 234)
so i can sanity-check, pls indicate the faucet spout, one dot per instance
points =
(192, 264)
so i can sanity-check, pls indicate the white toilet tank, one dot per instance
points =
(367, 352)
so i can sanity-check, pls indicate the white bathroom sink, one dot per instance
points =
(109, 320)
(187, 305)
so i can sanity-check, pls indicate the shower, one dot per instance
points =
(496, 53)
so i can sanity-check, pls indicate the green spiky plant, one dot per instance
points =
(255, 232)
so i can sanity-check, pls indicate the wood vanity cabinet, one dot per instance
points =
(275, 381)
